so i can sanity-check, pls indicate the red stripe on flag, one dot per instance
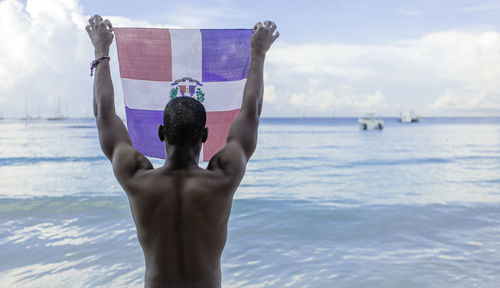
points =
(218, 124)
(144, 54)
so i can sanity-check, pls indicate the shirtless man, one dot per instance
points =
(180, 210)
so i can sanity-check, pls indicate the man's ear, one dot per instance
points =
(204, 135)
(161, 132)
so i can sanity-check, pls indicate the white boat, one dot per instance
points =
(409, 117)
(370, 121)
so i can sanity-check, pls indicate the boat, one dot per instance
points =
(58, 115)
(370, 121)
(409, 117)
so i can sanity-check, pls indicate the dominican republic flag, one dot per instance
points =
(157, 65)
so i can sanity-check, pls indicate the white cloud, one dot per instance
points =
(48, 58)
(319, 100)
(316, 98)
(269, 94)
(333, 59)
(466, 99)
(452, 54)
(44, 40)
(416, 73)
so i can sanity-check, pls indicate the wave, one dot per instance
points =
(16, 161)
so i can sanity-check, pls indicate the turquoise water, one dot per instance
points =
(322, 204)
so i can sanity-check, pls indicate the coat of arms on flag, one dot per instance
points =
(157, 65)
(187, 89)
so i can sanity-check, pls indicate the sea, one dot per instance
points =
(323, 204)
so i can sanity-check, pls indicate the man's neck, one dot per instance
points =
(181, 157)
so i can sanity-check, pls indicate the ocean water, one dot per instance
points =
(322, 204)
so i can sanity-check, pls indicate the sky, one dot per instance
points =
(333, 58)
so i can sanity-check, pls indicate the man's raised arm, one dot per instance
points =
(113, 136)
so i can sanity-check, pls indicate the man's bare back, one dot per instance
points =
(180, 210)
(181, 224)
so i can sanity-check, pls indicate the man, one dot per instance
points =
(180, 210)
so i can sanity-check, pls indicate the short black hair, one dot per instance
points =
(184, 119)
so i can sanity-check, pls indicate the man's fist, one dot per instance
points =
(101, 34)
(263, 37)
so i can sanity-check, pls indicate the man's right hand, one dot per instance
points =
(101, 34)
(263, 37)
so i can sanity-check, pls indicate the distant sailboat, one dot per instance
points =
(37, 117)
(58, 115)
(27, 116)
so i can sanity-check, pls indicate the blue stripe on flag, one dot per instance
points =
(225, 54)
(142, 127)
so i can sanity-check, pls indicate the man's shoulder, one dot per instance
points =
(127, 162)
(230, 160)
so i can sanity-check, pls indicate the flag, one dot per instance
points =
(157, 65)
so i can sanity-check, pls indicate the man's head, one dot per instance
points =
(184, 120)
